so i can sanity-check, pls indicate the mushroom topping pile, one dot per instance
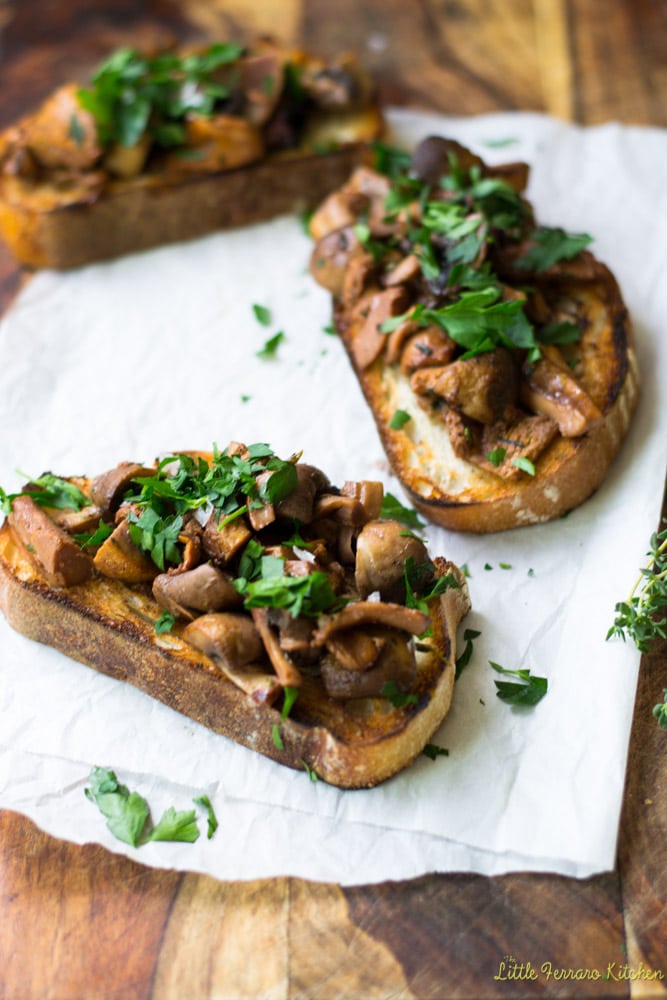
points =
(437, 267)
(177, 113)
(258, 562)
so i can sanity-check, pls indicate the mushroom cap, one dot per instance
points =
(383, 548)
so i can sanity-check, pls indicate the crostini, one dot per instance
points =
(496, 354)
(250, 594)
(167, 146)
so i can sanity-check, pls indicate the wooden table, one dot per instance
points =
(78, 922)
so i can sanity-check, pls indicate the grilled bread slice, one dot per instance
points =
(234, 136)
(367, 646)
(496, 355)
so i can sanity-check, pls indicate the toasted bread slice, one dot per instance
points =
(503, 449)
(110, 625)
(70, 195)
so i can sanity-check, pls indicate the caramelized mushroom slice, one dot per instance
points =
(51, 546)
(369, 614)
(222, 543)
(396, 662)
(548, 387)
(204, 588)
(62, 133)
(330, 258)
(299, 504)
(382, 550)
(233, 642)
(367, 341)
(287, 673)
(120, 559)
(368, 492)
(481, 387)
(221, 142)
(107, 489)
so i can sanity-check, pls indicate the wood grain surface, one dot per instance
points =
(79, 922)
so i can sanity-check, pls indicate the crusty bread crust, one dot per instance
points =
(109, 626)
(462, 497)
(42, 227)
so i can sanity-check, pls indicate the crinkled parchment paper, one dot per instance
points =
(157, 352)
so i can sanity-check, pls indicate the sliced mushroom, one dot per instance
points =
(285, 669)
(396, 662)
(221, 142)
(432, 158)
(340, 210)
(62, 133)
(355, 649)
(330, 258)
(223, 542)
(368, 492)
(233, 642)
(406, 270)
(370, 614)
(481, 387)
(383, 547)
(299, 504)
(204, 588)
(367, 341)
(261, 78)
(548, 387)
(76, 522)
(107, 489)
(50, 545)
(429, 348)
(343, 509)
(120, 559)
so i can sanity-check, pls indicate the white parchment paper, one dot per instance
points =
(157, 352)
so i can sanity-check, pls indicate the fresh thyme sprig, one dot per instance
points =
(642, 618)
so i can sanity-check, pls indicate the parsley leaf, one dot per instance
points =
(176, 826)
(56, 492)
(660, 711)
(270, 348)
(126, 812)
(399, 699)
(393, 510)
(433, 751)
(528, 690)
(262, 314)
(524, 464)
(164, 623)
(549, 245)
(469, 635)
(309, 595)
(399, 420)
(95, 538)
(212, 820)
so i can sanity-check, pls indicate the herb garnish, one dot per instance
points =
(132, 95)
(128, 814)
(262, 314)
(205, 803)
(642, 617)
(92, 539)
(660, 711)
(229, 486)
(527, 690)
(390, 690)
(392, 509)
(164, 623)
(433, 751)
(549, 245)
(270, 348)
(52, 491)
(399, 420)
(469, 635)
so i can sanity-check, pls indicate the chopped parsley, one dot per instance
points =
(133, 95)
(549, 245)
(398, 698)
(164, 623)
(262, 314)
(433, 751)
(527, 690)
(270, 347)
(128, 815)
(524, 464)
(393, 510)
(212, 820)
(399, 420)
(469, 635)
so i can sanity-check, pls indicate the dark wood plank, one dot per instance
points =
(78, 921)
